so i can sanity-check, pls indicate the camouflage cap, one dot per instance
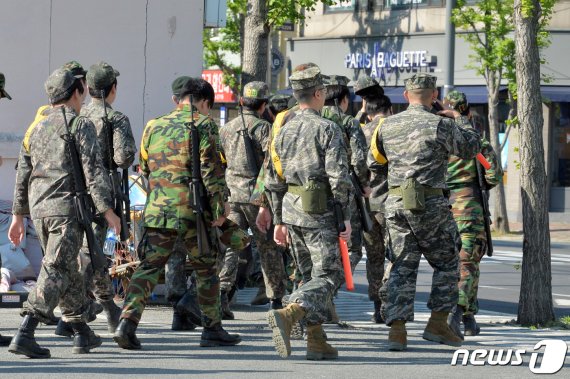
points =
(101, 75)
(58, 84)
(178, 84)
(420, 81)
(3, 92)
(307, 78)
(75, 67)
(304, 66)
(456, 100)
(256, 90)
(363, 83)
(335, 80)
(279, 102)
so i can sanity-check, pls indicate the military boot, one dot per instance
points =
(125, 335)
(281, 322)
(454, 320)
(215, 335)
(181, 322)
(113, 314)
(276, 304)
(471, 327)
(317, 346)
(377, 315)
(437, 330)
(64, 329)
(227, 313)
(84, 339)
(333, 316)
(5, 341)
(260, 298)
(24, 342)
(398, 337)
(93, 309)
(188, 307)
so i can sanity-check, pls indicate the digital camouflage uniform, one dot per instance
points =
(417, 144)
(374, 241)
(310, 147)
(241, 179)
(168, 216)
(45, 190)
(465, 200)
(355, 144)
(100, 76)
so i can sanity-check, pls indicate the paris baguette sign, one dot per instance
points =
(550, 362)
(379, 63)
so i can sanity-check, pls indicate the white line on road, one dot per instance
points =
(562, 302)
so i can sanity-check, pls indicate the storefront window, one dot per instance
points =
(341, 6)
(406, 3)
(561, 145)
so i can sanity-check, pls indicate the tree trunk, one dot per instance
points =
(500, 219)
(535, 301)
(256, 42)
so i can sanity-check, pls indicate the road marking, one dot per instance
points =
(498, 288)
(559, 294)
(562, 302)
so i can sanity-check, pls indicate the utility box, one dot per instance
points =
(215, 13)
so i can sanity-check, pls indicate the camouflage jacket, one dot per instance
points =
(123, 141)
(354, 139)
(165, 160)
(309, 147)
(465, 195)
(418, 143)
(239, 176)
(378, 172)
(45, 183)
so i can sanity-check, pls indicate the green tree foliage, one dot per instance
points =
(219, 42)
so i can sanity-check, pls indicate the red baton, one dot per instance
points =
(346, 265)
(485, 163)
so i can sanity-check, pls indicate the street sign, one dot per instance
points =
(286, 27)
(223, 92)
(277, 61)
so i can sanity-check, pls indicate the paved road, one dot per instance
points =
(499, 285)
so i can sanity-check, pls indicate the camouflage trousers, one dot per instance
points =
(97, 280)
(375, 255)
(154, 250)
(434, 234)
(60, 282)
(473, 248)
(316, 252)
(271, 255)
(356, 241)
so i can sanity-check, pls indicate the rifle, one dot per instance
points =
(361, 202)
(249, 150)
(196, 186)
(484, 193)
(340, 227)
(82, 201)
(122, 206)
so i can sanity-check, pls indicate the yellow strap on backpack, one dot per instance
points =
(40, 115)
(378, 156)
(274, 157)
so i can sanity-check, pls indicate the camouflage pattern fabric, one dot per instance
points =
(165, 161)
(155, 249)
(318, 257)
(420, 81)
(432, 232)
(239, 177)
(270, 254)
(59, 282)
(467, 211)
(44, 180)
(123, 141)
(378, 172)
(375, 255)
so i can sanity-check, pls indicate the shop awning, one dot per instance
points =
(557, 94)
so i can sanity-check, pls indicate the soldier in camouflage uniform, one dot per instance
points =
(417, 144)
(45, 189)
(367, 88)
(4, 341)
(465, 199)
(169, 219)
(308, 176)
(241, 176)
(377, 109)
(102, 82)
